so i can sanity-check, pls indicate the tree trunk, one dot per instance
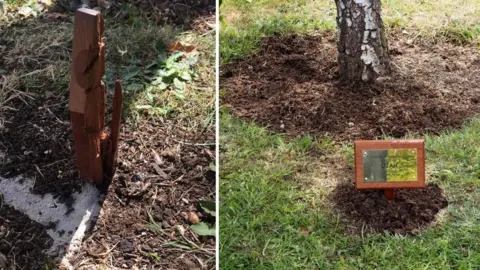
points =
(362, 46)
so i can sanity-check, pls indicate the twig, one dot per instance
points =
(58, 161)
(60, 121)
(195, 144)
(99, 255)
(38, 169)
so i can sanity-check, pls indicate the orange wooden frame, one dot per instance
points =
(360, 146)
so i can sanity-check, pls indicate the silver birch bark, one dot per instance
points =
(362, 46)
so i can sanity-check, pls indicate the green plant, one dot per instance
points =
(205, 228)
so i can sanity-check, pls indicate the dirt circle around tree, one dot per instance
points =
(292, 86)
(369, 210)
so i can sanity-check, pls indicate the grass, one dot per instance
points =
(244, 23)
(270, 222)
(273, 208)
(43, 63)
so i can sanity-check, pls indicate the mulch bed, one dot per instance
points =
(369, 210)
(159, 180)
(291, 86)
(37, 141)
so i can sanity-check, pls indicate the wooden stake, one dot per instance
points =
(110, 160)
(389, 194)
(87, 93)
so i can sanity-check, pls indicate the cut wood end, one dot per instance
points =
(88, 11)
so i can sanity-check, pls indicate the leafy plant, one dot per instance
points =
(167, 72)
(204, 228)
(208, 207)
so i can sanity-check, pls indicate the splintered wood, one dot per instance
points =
(95, 151)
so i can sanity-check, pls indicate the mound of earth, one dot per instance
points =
(22, 241)
(412, 209)
(292, 86)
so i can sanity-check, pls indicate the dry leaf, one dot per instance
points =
(159, 171)
(157, 158)
(180, 47)
(193, 218)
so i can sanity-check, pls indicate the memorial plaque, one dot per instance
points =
(389, 164)
(394, 165)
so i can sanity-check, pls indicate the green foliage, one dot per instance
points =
(244, 23)
(269, 223)
(241, 37)
(166, 72)
(208, 207)
(203, 228)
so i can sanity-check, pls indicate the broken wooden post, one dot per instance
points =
(389, 164)
(87, 99)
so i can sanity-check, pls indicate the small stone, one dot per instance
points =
(165, 225)
(180, 229)
(351, 124)
(126, 246)
(138, 177)
(445, 66)
(146, 248)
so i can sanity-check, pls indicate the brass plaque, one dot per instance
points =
(392, 165)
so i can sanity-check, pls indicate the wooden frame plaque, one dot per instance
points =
(389, 164)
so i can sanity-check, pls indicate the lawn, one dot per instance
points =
(275, 208)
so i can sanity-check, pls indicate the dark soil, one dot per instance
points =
(38, 142)
(22, 240)
(292, 86)
(167, 191)
(412, 209)
(145, 207)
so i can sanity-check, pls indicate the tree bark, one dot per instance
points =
(362, 46)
